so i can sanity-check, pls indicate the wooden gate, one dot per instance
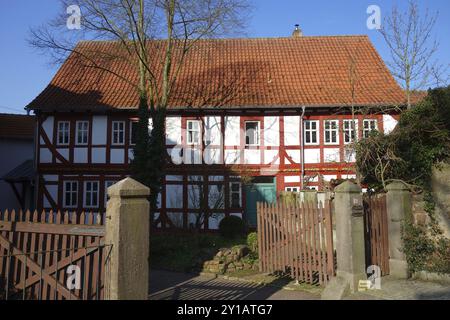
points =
(40, 252)
(297, 240)
(376, 232)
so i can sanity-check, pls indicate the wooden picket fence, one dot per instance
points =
(376, 232)
(38, 249)
(297, 239)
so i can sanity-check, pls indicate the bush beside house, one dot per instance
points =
(419, 144)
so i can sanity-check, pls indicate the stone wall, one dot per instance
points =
(441, 193)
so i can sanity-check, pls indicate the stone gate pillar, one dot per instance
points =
(399, 206)
(350, 250)
(127, 230)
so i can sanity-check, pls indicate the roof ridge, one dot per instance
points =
(249, 38)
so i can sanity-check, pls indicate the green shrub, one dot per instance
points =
(252, 241)
(418, 246)
(232, 227)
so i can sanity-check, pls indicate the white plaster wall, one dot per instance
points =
(271, 131)
(80, 155)
(213, 130)
(176, 218)
(312, 155)
(156, 218)
(329, 177)
(252, 156)
(232, 131)
(292, 130)
(99, 127)
(192, 156)
(117, 156)
(291, 179)
(45, 156)
(193, 196)
(349, 155)
(331, 155)
(53, 191)
(295, 156)
(211, 155)
(215, 178)
(47, 125)
(130, 155)
(174, 196)
(216, 197)
(192, 218)
(50, 177)
(173, 130)
(174, 178)
(214, 220)
(64, 152)
(389, 123)
(237, 214)
(232, 156)
(98, 155)
(271, 156)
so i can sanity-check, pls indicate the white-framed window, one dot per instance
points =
(70, 194)
(252, 133)
(311, 131)
(331, 131)
(193, 131)
(63, 132)
(235, 195)
(369, 125)
(82, 132)
(91, 194)
(292, 189)
(118, 132)
(349, 131)
(133, 132)
(108, 184)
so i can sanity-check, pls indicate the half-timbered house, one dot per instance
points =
(247, 118)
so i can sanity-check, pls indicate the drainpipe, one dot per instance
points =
(302, 156)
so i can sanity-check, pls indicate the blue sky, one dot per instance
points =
(24, 72)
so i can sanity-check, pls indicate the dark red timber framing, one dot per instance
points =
(66, 169)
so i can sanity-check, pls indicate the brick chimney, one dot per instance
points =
(297, 32)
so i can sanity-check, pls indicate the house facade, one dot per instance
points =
(248, 118)
(17, 164)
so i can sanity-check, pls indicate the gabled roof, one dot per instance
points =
(236, 73)
(16, 126)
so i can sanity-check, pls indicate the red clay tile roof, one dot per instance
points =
(16, 126)
(237, 73)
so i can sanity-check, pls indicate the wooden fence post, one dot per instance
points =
(398, 204)
(350, 250)
(127, 230)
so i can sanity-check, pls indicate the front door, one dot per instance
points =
(262, 189)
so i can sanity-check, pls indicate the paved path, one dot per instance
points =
(394, 289)
(166, 285)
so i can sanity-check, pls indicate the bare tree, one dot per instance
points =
(153, 37)
(409, 36)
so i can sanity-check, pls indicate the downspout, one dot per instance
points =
(302, 157)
